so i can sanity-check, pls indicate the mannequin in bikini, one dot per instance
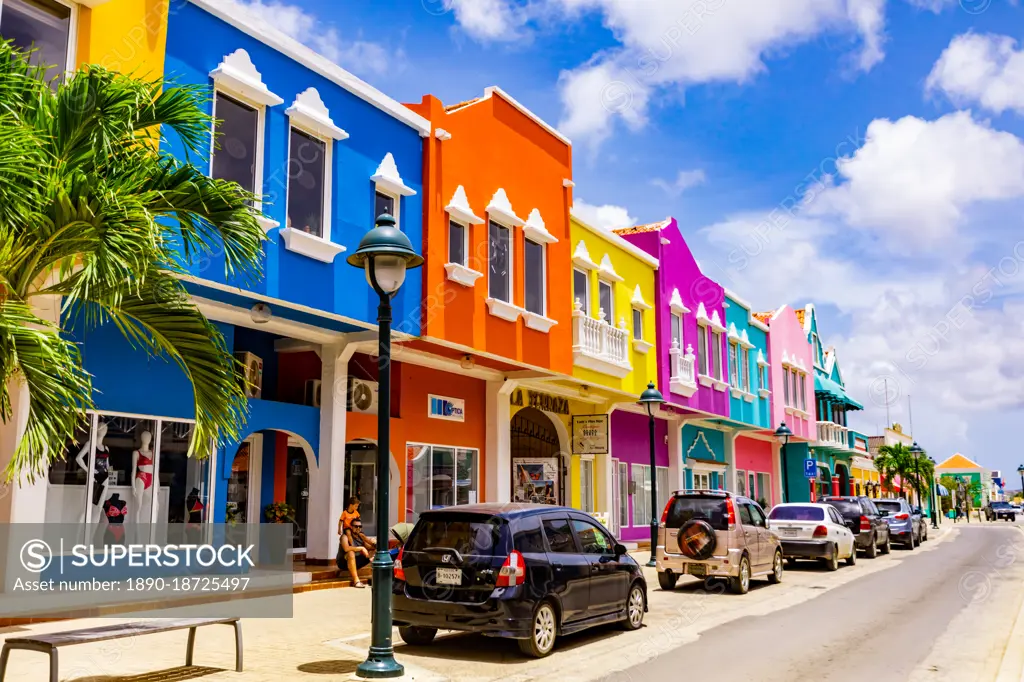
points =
(101, 469)
(142, 469)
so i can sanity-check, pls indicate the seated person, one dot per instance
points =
(354, 552)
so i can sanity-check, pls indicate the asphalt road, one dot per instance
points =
(881, 627)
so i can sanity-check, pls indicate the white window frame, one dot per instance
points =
(699, 477)
(641, 517)
(762, 377)
(803, 390)
(455, 449)
(741, 479)
(587, 503)
(703, 359)
(624, 502)
(261, 122)
(609, 314)
(395, 197)
(585, 298)
(664, 494)
(716, 338)
(734, 364)
(543, 276)
(328, 177)
(638, 329)
(72, 49)
(745, 367)
(465, 241)
(511, 260)
(675, 318)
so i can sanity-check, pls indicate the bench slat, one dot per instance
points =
(119, 631)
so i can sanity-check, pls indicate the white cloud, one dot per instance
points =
(606, 216)
(987, 70)
(685, 179)
(359, 56)
(489, 20)
(913, 179)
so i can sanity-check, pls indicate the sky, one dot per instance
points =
(863, 155)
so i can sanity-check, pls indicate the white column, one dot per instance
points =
(327, 487)
(498, 455)
(676, 472)
(21, 501)
(603, 474)
(777, 471)
(730, 460)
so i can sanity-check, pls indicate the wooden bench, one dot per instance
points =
(49, 643)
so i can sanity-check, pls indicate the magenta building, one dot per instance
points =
(632, 496)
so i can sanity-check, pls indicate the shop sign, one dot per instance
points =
(590, 434)
(536, 479)
(542, 401)
(450, 409)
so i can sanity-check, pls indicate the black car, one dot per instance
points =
(1000, 510)
(530, 572)
(870, 530)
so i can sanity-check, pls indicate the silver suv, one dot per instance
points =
(715, 534)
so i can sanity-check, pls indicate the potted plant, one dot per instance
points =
(279, 512)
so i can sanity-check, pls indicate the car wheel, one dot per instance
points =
(775, 577)
(887, 547)
(415, 635)
(912, 544)
(852, 559)
(832, 562)
(634, 608)
(667, 581)
(872, 548)
(741, 583)
(543, 631)
(924, 538)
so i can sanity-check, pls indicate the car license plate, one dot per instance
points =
(449, 576)
(698, 570)
(789, 532)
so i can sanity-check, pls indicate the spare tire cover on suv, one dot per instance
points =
(697, 539)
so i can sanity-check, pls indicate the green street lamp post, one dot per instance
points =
(935, 509)
(1020, 470)
(783, 433)
(385, 253)
(650, 399)
(916, 452)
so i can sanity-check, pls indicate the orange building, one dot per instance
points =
(497, 295)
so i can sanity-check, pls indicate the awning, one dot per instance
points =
(822, 384)
(942, 490)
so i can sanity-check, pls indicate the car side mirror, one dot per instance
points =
(620, 550)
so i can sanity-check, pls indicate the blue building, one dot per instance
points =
(327, 153)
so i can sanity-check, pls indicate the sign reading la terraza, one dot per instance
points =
(541, 401)
(590, 434)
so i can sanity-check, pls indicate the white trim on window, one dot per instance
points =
(538, 321)
(607, 270)
(265, 222)
(609, 315)
(458, 209)
(237, 76)
(536, 231)
(676, 303)
(388, 181)
(581, 257)
(313, 246)
(584, 300)
(309, 113)
(500, 210)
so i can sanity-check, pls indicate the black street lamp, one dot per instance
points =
(935, 509)
(385, 253)
(1020, 470)
(650, 399)
(916, 452)
(783, 433)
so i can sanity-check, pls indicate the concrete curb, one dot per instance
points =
(1011, 668)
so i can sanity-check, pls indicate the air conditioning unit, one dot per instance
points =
(362, 396)
(253, 364)
(312, 393)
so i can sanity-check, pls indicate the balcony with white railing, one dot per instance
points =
(598, 345)
(683, 380)
(832, 435)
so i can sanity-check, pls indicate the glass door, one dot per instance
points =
(297, 494)
(361, 481)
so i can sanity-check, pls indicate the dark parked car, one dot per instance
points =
(1000, 510)
(906, 524)
(530, 572)
(871, 532)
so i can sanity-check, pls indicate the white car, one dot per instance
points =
(813, 531)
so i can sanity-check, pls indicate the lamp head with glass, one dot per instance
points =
(385, 253)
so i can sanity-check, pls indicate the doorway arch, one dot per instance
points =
(360, 467)
(844, 478)
(538, 471)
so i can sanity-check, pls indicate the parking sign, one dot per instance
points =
(810, 468)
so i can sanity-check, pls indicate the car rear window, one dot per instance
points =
(468, 534)
(1000, 505)
(712, 509)
(889, 505)
(846, 507)
(797, 514)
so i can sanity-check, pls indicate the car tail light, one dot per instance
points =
(902, 517)
(399, 571)
(512, 572)
(664, 513)
(820, 532)
(865, 523)
(731, 510)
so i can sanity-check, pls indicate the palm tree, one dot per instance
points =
(897, 460)
(886, 465)
(97, 221)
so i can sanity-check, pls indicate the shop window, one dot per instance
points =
(623, 494)
(237, 153)
(499, 280)
(43, 26)
(734, 365)
(439, 476)
(586, 485)
(533, 258)
(129, 471)
(663, 492)
(606, 300)
(581, 289)
(457, 234)
(308, 166)
(741, 482)
(701, 481)
(641, 495)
